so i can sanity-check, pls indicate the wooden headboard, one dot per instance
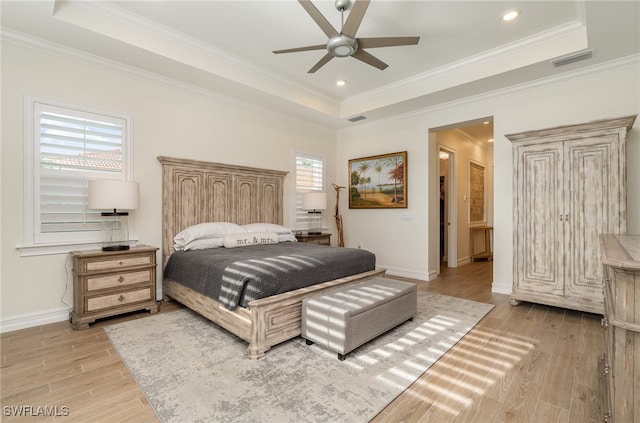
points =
(196, 191)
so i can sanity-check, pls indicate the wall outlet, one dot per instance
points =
(359, 245)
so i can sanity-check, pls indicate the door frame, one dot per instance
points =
(452, 212)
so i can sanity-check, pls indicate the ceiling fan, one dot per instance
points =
(345, 43)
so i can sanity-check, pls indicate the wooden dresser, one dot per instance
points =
(620, 361)
(107, 283)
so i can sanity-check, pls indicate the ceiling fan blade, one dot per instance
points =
(308, 48)
(355, 18)
(387, 41)
(320, 63)
(369, 59)
(319, 19)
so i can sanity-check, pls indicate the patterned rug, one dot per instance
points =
(193, 371)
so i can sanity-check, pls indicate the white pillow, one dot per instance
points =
(206, 230)
(200, 244)
(287, 237)
(247, 239)
(267, 227)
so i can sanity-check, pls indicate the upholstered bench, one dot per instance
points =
(343, 319)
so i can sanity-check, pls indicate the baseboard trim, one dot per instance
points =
(404, 273)
(29, 320)
(497, 288)
(464, 260)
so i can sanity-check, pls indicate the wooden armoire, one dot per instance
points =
(569, 187)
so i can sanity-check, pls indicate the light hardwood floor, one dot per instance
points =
(529, 363)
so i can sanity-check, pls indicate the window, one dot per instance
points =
(68, 147)
(309, 177)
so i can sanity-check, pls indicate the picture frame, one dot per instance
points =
(378, 182)
(477, 189)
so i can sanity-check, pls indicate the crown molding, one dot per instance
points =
(526, 51)
(610, 66)
(65, 52)
(110, 20)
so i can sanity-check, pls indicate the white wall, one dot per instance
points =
(404, 245)
(167, 120)
(177, 121)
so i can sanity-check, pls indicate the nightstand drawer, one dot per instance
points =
(119, 262)
(118, 299)
(121, 279)
(319, 241)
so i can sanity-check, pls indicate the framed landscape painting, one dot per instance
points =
(378, 182)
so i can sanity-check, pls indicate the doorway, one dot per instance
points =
(448, 239)
(457, 151)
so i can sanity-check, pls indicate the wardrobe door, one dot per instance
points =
(592, 190)
(539, 219)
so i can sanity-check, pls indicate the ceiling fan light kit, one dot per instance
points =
(342, 46)
(344, 43)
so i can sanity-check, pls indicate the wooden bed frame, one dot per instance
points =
(196, 192)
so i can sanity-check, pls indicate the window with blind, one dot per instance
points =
(69, 147)
(309, 177)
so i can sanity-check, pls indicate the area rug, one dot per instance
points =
(191, 370)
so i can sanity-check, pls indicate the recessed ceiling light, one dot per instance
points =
(510, 15)
(341, 83)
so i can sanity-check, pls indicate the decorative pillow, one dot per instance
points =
(267, 227)
(200, 244)
(205, 231)
(247, 239)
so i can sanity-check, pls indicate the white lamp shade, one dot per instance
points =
(106, 194)
(314, 201)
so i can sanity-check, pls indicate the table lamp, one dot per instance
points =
(315, 202)
(117, 196)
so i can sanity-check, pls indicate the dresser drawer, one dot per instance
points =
(120, 279)
(118, 299)
(119, 262)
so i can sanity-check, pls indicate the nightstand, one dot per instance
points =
(322, 239)
(107, 283)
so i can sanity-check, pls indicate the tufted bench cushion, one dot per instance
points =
(343, 319)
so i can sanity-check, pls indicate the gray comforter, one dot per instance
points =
(236, 276)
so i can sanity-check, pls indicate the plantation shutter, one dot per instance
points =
(73, 147)
(309, 177)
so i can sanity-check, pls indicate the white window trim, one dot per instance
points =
(29, 247)
(294, 224)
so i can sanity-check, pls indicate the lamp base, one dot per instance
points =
(115, 231)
